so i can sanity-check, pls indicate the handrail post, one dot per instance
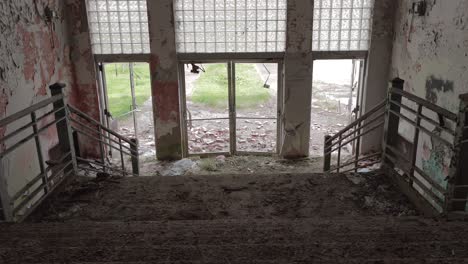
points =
(5, 199)
(39, 153)
(460, 153)
(391, 120)
(327, 153)
(64, 130)
(135, 158)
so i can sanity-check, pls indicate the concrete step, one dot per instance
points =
(307, 240)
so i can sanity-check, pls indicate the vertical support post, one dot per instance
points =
(64, 129)
(414, 151)
(391, 120)
(5, 199)
(232, 107)
(358, 147)
(338, 161)
(102, 152)
(327, 153)
(457, 166)
(39, 153)
(122, 157)
(135, 158)
(134, 104)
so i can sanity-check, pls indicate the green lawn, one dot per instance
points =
(211, 88)
(118, 86)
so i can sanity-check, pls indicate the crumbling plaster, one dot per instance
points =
(378, 66)
(35, 53)
(164, 80)
(298, 63)
(431, 54)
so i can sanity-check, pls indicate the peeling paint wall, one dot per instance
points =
(378, 66)
(84, 94)
(33, 55)
(164, 80)
(297, 80)
(431, 54)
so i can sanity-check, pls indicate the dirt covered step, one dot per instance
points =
(246, 241)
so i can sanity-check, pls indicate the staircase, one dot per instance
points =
(282, 218)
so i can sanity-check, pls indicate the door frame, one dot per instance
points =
(231, 74)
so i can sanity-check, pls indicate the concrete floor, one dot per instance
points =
(276, 218)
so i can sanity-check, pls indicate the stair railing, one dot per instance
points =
(429, 166)
(367, 123)
(21, 194)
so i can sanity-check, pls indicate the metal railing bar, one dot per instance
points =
(357, 136)
(99, 140)
(39, 201)
(415, 180)
(7, 120)
(102, 165)
(26, 139)
(433, 122)
(363, 117)
(366, 124)
(430, 180)
(430, 133)
(426, 104)
(97, 132)
(38, 177)
(39, 188)
(360, 159)
(19, 130)
(257, 118)
(403, 165)
(84, 116)
(210, 119)
(460, 186)
(397, 153)
(362, 166)
(436, 198)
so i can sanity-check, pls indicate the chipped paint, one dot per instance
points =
(32, 53)
(297, 80)
(164, 80)
(431, 55)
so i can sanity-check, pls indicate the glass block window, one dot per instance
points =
(219, 26)
(118, 26)
(341, 25)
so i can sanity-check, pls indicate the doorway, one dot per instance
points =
(336, 100)
(127, 105)
(230, 107)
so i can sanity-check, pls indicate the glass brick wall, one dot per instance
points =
(220, 26)
(341, 25)
(118, 26)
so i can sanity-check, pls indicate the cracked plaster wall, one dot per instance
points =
(164, 80)
(297, 80)
(33, 55)
(431, 55)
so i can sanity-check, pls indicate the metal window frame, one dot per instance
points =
(232, 117)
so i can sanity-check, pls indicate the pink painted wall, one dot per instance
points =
(34, 54)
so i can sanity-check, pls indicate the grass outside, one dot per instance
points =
(118, 87)
(211, 88)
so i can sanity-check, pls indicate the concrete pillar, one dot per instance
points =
(297, 80)
(378, 66)
(164, 80)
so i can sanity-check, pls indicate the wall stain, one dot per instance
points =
(435, 85)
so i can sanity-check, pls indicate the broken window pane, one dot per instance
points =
(231, 25)
(345, 22)
(125, 20)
